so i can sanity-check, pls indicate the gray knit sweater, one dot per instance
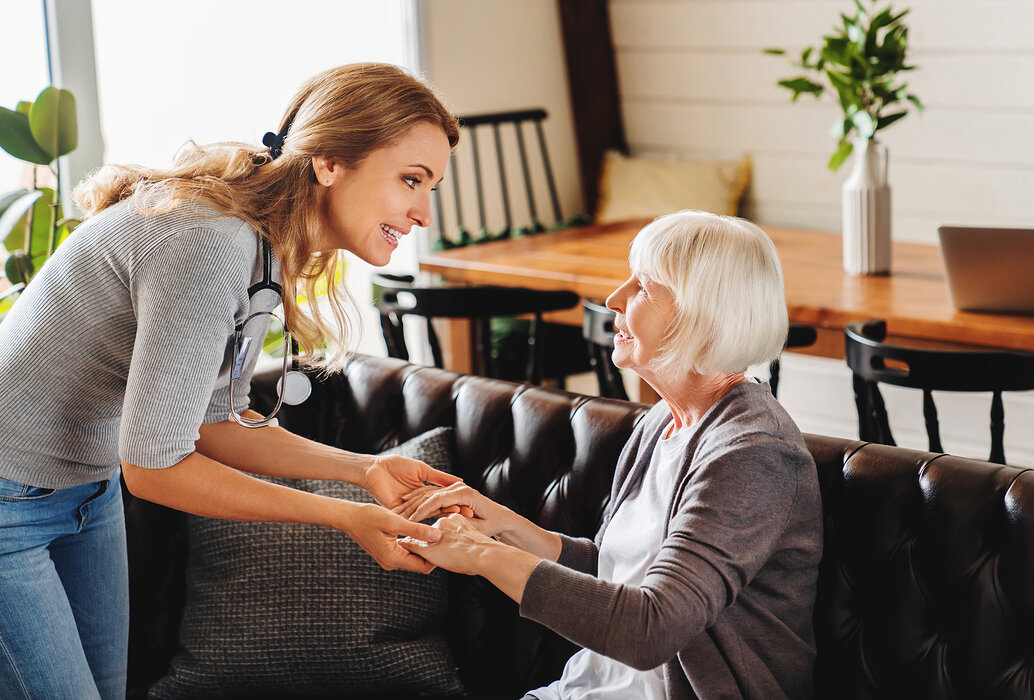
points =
(119, 348)
(726, 605)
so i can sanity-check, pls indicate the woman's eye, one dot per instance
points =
(412, 182)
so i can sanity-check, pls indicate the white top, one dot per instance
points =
(629, 547)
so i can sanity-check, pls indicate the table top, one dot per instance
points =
(592, 261)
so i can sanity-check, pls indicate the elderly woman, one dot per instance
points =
(701, 580)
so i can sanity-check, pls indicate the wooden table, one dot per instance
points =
(591, 261)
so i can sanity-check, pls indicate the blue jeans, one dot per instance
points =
(64, 592)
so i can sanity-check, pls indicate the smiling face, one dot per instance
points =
(368, 208)
(645, 310)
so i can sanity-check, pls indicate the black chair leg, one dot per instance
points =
(997, 429)
(933, 428)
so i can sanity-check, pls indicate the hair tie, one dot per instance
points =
(275, 142)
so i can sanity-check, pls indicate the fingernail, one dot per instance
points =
(433, 535)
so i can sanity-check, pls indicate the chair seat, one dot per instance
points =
(505, 347)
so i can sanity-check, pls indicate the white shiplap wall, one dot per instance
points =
(693, 81)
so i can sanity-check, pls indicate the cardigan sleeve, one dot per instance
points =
(729, 516)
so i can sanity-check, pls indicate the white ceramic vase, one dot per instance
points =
(866, 211)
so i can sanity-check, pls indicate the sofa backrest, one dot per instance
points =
(926, 587)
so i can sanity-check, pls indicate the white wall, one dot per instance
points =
(693, 80)
(497, 56)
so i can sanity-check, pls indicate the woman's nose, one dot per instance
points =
(615, 302)
(421, 215)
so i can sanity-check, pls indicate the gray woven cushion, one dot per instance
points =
(275, 608)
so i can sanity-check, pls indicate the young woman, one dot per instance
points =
(701, 580)
(118, 358)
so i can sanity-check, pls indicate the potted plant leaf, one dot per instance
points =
(861, 62)
(32, 221)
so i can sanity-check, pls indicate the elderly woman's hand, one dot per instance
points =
(466, 551)
(460, 548)
(490, 518)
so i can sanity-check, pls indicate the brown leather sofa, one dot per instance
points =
(926, 587)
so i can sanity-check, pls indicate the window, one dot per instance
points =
(225, 70)
(24, 46)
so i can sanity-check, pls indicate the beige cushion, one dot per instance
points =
(647, 187)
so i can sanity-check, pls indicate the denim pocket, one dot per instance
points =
(13, 491)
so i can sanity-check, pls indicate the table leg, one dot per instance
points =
(455, 337)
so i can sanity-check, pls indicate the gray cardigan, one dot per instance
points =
(726, 606)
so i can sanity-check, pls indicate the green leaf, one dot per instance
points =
(44, 214)
(881, 20)
(14, 214)
(886, 120)
(774, 52)
(53, 122)
(23, 108)
(835, 51)
(10, 198)
(842, 153)
(8, 297)
(915, 100)
(16, 138)
(18, 267)
(801, 85)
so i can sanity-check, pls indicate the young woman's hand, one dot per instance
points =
(376, 530)
(486, 515)
(391, 477)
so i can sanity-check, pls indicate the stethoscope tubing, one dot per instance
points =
(266, 283)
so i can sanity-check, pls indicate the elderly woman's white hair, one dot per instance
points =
(730, 308)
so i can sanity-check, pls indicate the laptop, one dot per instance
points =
(989, 269)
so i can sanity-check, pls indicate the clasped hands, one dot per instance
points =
(468, 522)
(414, 492)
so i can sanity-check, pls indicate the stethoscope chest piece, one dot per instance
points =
(294, 388)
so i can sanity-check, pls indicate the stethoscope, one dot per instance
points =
(293, 387)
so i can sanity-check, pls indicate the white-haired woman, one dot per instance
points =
(701, 580)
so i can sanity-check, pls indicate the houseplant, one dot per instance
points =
(861, 61)
(32, 221)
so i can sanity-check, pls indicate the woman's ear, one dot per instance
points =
(326, 169)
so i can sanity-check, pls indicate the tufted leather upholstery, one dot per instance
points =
(926, 588)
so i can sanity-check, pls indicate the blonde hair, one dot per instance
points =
(730, 307)
(344, 113)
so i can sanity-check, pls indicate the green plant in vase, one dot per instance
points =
(32, 221)
(861, 61)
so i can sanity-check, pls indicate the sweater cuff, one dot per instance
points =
(578, 553)
(556, 597)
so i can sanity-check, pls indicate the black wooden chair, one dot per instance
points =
(874, 361)
(397, 296)
(519, 209)
(800, 336)
(598, 330)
